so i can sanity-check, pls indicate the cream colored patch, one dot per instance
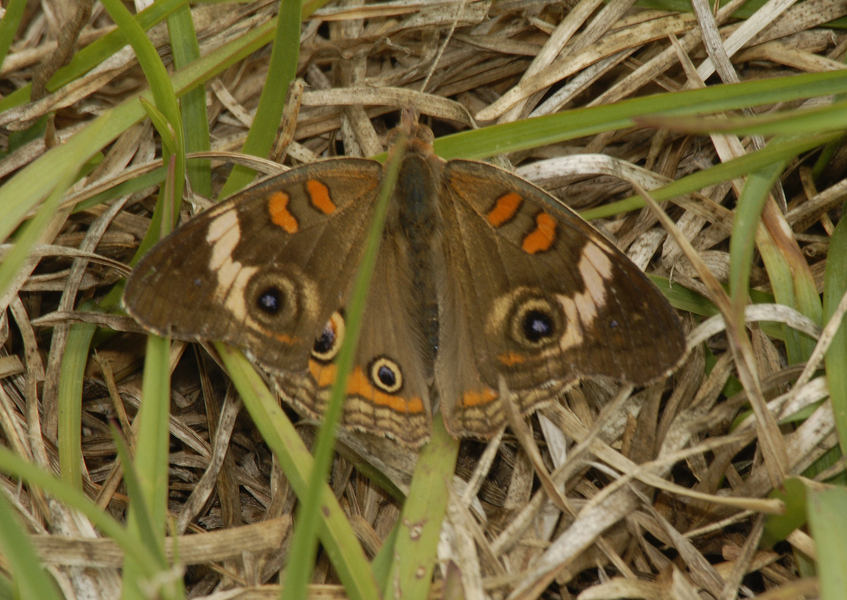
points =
(222, 225)
(573, 331)
(581, 309)
(358, 410)
(500, 310)
(586, 308)
(595, 266)
(232, 276)
(224, 235)
(235, 295)
(226, 274)
(309, 293)
(386, 421)
(602, 243)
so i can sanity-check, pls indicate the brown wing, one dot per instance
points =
(539, 298)
(271, 270)
(265, 269)
(388, 390)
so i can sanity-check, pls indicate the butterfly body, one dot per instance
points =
(480, 277)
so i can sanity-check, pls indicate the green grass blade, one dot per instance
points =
(338, 539)
(410, 575)
(828, 522)
(148, 59)
(281, 72)
(164, 95)
(304, 544)
(748, 213)
(136, 184)
(777, 527)
(9, 26)
(29, 186)
(71, 379)
(27, 573)
(58, 179)
(95, 53)
(793, 285)
(572, 124)
(382, 562)
(738, 167)
(29, 473)
(790, 278)
(169, 143)
(151, 452)
(683, 298)
(147, 518)
(835, 286)
(791, 122)
(166, 587)
(193, 104)
(151, 461)
(135, 492)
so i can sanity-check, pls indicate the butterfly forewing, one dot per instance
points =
(265, 269)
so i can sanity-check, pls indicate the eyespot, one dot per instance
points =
(328, 343)
(535, 322)
(537, 325)
(385, 374)
(270, 300)
(275, 298)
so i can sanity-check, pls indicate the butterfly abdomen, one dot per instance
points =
(418, 223)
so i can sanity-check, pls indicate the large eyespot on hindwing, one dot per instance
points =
(328, 343)
(385, 375)
(274, 299)
(534, 322)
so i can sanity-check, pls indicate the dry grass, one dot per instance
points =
(665, 489)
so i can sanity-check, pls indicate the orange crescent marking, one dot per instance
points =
(504, 209)
(474, 398)
(542, 237)
(289, 340)
(319, 195)
(324, 375)
(280, 215)
(358, 385)
(511, 358)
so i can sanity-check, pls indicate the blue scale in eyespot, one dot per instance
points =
(537, 325)
(270, 301)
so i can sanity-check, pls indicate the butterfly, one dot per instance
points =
(481, 277)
